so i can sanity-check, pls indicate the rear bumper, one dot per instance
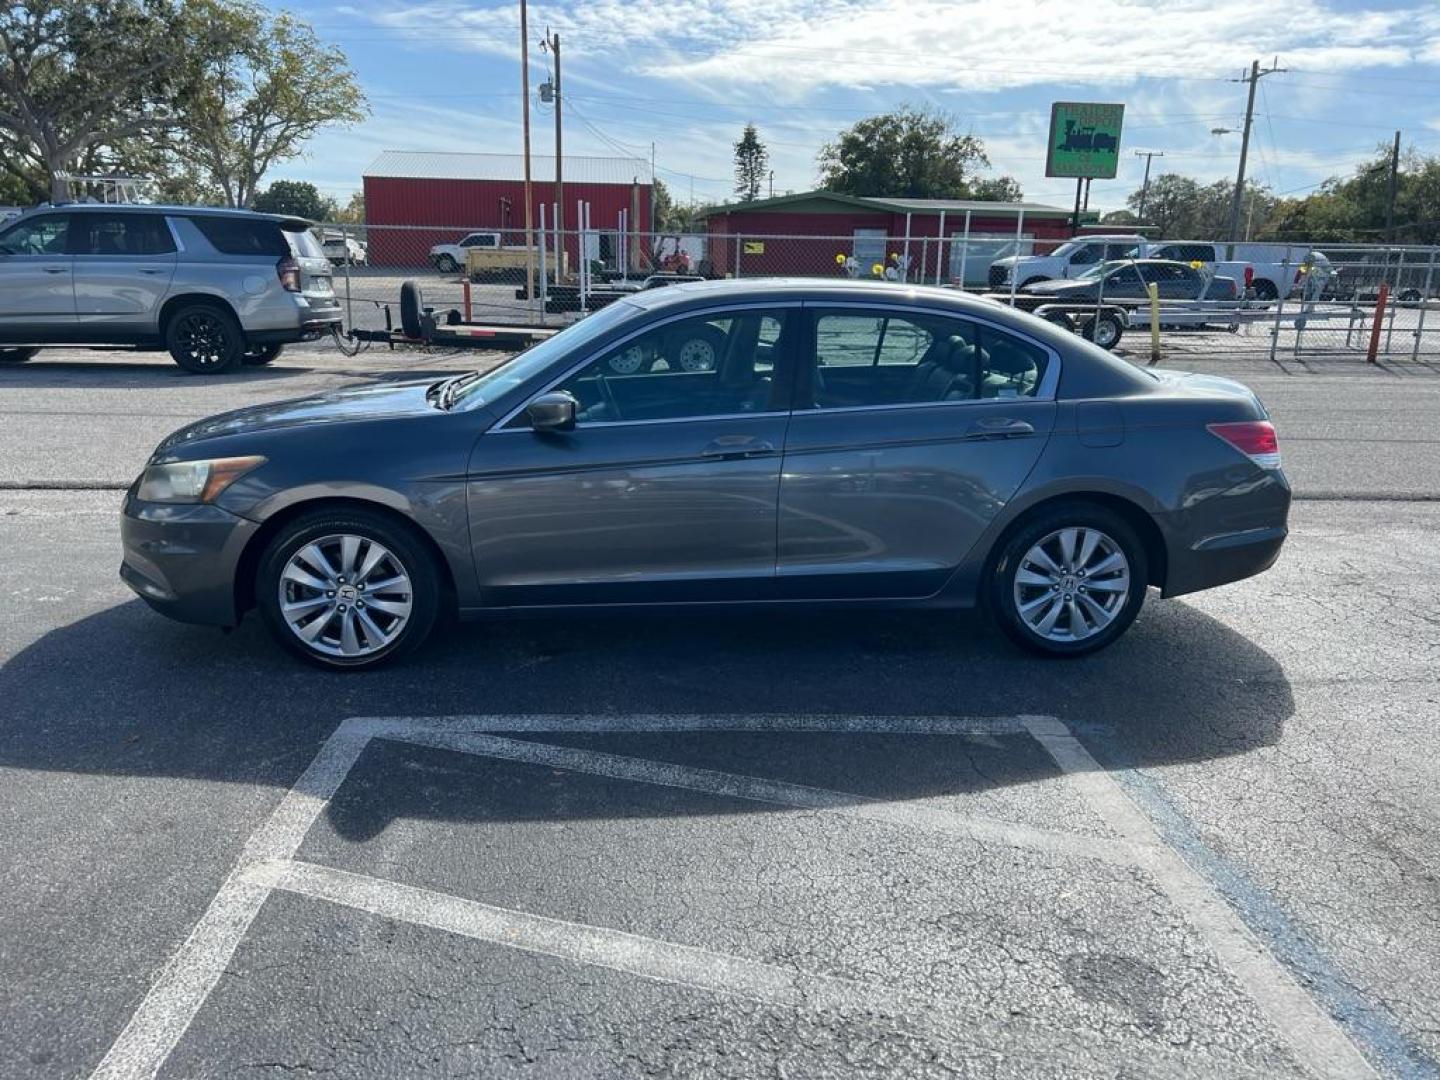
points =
(307, 331)
(181, 560)
(1235, 534)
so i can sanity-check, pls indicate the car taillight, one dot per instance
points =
(288, 271)
(1254, 438)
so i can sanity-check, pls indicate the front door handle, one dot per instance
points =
(999, 427)
(55, 269)
(734, 447)
(151, 270)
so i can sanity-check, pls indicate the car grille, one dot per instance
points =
(997, 276)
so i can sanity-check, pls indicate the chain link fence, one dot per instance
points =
(1288, 302)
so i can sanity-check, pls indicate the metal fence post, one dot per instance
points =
(1424, 300)
(964, 249)
(1280, 302)
(544, 266)
(1399, 289)
(940, 247)
(737, 255)
(1015, 273)
(349, 307)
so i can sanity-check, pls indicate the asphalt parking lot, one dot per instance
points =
(869, 845)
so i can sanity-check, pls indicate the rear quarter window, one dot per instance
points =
(241, 236)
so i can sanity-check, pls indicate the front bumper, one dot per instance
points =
(182, 559)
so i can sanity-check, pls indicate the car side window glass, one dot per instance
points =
(1010, 367)
(1126, 275)
(39, 236)
(122, 234)
(1118, 251)
(242, 236)
(707, 365)
(877, 360)
(1086, 255)
(1169, 251)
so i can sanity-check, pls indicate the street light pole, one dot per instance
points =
(1256, 73)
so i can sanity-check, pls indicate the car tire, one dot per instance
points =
(1060, 319)
(1105, 331)
(16, 356)
(204, 339)
(412, 306)
(1020, 582)
(446, 264)
(696, 350)
(1265, 290)
(306, 609)
(261, 355)
(1410, 296)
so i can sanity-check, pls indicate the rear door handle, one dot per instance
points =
(56, 269)
(151, 270)
(999, 427)
(734, 447)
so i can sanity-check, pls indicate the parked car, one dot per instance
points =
(217, 288)
(449, 258)
(342, 249)
(856, 444)
(1069, 260)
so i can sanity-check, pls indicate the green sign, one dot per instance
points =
(1084, 139)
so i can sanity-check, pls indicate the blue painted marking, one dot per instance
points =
(1372, 1029)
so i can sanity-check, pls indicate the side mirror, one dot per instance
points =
(554, 411)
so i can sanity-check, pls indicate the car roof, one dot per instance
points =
(285, 221)
(817, 290)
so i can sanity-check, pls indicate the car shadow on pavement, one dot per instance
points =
(106, 371)
(125, 692)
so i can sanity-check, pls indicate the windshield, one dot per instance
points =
(524, 366)
(1065, 248)
(1099, 270)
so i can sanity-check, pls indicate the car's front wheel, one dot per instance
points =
(348, 589)
(1069, 581)
(446, 264)
(205, 339)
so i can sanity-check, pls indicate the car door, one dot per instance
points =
(666, 488)
(37, 287)
(911, 431)
(124, 262)
(1124, 283)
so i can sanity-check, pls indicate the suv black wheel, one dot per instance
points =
(16, 356)
(205, 339)
(261, 354)
(348, 589)
(1069, 581)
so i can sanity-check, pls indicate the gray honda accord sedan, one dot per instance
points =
(722, 445)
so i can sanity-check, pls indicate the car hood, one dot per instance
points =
(383, 401)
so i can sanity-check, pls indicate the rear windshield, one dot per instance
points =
(243, 236)
(304, 245)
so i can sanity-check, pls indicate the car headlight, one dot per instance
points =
(193, 481)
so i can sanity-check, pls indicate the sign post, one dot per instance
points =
(1084, 143)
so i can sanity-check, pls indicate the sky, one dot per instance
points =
(687, 75)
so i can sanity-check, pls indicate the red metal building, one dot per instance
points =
(872, 229)
(414, 200)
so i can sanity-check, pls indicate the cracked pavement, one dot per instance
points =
(1280, 734)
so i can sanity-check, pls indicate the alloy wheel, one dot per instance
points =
(345, 595)
(202, 337)
(1071, 584)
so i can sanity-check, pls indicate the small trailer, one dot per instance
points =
(421, 325)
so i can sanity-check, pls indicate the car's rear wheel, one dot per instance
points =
(205, 339)
(262, 354)
(1265, 290)
(16, 356)
(446, 264)
(348, 589)
(1069, 581)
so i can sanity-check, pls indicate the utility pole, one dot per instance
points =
(1394, 183)
(1256, 74)
(1145, 184)
(525, 124)
(552, 43)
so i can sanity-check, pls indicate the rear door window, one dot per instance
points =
(121, 234)
(303, 244)
(243, 236)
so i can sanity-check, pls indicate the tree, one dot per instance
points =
(261, 102)
(296, 198)
(79, 77)
(670, 216)
(910, 153)
(752, 165)
(353, 212)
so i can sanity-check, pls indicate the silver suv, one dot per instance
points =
(217, 288)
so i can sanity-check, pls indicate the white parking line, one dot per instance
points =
(265, 864)
(1313, 1036)
(687, 965)
(778, 792)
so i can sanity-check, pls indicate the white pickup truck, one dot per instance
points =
(1076, 257)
